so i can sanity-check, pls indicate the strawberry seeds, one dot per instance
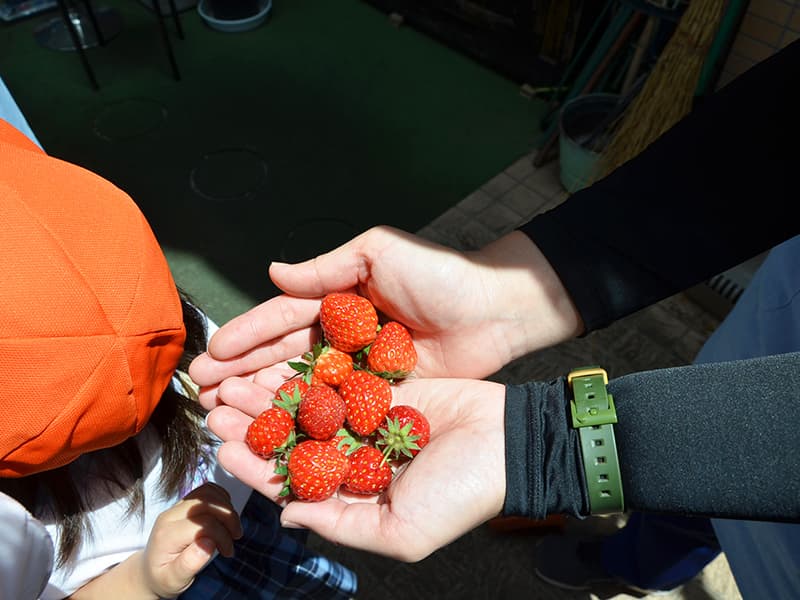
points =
(331, 425)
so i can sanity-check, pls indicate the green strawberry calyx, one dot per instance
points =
(289, 403)
(306, 366)
(347, 443)
(397, 440)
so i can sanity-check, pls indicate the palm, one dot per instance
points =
(469, 313)
(444, 307)
(453, 485)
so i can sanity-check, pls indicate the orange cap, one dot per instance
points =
(91, 326)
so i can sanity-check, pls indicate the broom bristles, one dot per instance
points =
(667, 95)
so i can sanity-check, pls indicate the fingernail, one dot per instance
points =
(289, 525)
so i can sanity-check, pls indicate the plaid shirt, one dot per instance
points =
(271, 563)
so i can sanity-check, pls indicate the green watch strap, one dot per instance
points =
(594, 415)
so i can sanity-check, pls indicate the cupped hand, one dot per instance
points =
(469, 313)
(185, 537)
(453, 485)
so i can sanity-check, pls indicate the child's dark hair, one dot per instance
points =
(176, 421)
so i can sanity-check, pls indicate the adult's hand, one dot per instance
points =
(453, 485)
(469, 313)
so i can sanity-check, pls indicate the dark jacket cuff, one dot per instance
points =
(544, 470)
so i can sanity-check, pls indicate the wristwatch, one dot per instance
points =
(594, 415)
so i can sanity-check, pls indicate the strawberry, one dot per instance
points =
(369, 473)
(321, 412)
(324, 364)
(406, 432)
(349, 322)
(315, 470)
(290, 400)
(344, 441)
(289, 386)
(270, 432)
(367, 398)
(392, 355)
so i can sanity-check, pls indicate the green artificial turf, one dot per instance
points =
(277, 143)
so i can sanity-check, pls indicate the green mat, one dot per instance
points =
(277, 143)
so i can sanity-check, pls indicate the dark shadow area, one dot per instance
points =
(277, 143)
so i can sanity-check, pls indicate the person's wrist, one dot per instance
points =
(141, 577)
(128, 579)
(533, 307)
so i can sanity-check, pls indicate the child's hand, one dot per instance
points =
(181, 543)
(184, 538)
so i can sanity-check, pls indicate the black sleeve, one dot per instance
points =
(716, 439)
(713, 191)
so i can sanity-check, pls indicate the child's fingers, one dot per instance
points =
(194, 557)
(210, 526)
(212, 501)
(181, 571)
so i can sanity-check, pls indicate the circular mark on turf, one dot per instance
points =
(129, 118)
(229, 174)
(315, 236)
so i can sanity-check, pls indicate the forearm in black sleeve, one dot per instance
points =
(711, 192)
(714, 439)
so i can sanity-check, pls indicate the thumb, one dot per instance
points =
(315, 277)
(192, 560)
(338, 270)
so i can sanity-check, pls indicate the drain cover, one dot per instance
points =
(129, 119)
(229, 174)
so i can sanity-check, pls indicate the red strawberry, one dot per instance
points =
(407, 431)
(289, 394)
(369, 472)
(270, 431)
(316, 470)
(392, 355)
(324, 364)
(367, 398)
(344, 441)
(321, 412)
(289, 386)
(349, 321)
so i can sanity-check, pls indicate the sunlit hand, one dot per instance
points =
(185, 537)
(469, 313)
(182, 541)
(454, 484)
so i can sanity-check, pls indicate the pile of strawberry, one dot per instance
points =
(331, 425)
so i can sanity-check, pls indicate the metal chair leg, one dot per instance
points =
(93, 18)
(175, 18)
(77, 42)
(165, 37)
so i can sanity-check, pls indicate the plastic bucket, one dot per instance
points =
(578, 120)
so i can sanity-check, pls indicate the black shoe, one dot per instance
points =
(574, 563)
(571, 562)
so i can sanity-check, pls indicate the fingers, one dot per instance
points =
(236, 458)
(269, 321)
(190, 532)
(245, 395)
(335, 271)
(207, 397)
(228, 423)
(194, 558)
(208, 369)
(184, 538)
(209, 507)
